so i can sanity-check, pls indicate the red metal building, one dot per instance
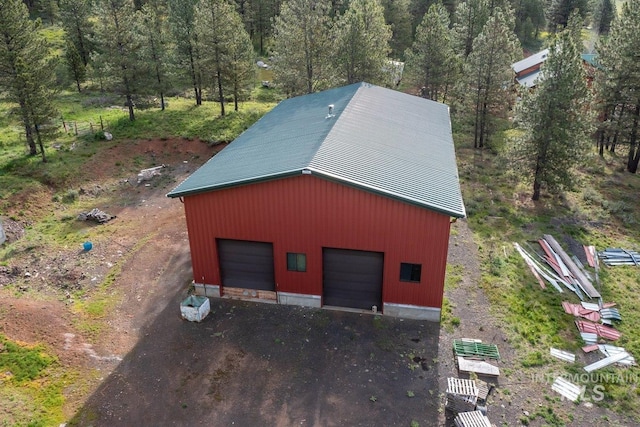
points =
(340, 198)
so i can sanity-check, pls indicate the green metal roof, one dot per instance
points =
(591, 58)
(377, 139)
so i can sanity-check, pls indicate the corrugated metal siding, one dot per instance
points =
(304, 214)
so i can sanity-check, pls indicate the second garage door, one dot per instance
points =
(352, 278)
(246, 264)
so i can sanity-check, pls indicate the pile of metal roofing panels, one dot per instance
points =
(610, 360)
(562, 355)
(618, 256)
(609, 314)
(566, 267)
(558, 268)
(579, 311)
(613, 354)
(610, 350)
(589, 337)
(467, 347)
(540, 271)
(602, 331)
(567, 389)
(606, 314)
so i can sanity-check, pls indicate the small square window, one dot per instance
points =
(410, 272)
(296, 262)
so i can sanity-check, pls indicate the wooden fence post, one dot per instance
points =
(101, 124)
(75, 124)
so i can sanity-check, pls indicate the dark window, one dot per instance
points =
(296, 262)
(410, 272)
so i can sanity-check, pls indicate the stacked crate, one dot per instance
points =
(472, 419)
(462, 395)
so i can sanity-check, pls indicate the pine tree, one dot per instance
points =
(257, 16)
(559, 11)
(470, 17)
(618, 83)
(488, 75)
(529, 20)
(431, 62)
(399, 19)
(187, 46)
(26, 72)
(118, 46)
(239, 61)
(75, 16)
(154, 53)
(227, 53)
(303, 47)
(362, 43)
(75, 65)
(555, 119)
(418, 8)
(213, 27)
(604, 16)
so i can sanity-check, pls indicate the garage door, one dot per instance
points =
(245, 264)
(352, 278)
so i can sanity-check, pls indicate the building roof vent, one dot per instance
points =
(330, 112)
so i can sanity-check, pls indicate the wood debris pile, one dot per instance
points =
(95, 215)
(147, 174)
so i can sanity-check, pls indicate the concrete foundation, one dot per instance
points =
(207, 290)
(299, 299)
(406, 311)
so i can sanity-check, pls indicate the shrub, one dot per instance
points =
(70, 196)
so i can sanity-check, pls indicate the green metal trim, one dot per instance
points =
(231, 184)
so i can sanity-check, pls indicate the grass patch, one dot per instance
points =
(453, 276)
(83, 115)
(447, 319)
(22, 363)
(32, 385)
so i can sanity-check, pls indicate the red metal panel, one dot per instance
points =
(529, 70)
(304, 214)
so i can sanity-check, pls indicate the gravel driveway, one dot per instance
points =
(250, 364)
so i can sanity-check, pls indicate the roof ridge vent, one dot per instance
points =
(330, 112)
